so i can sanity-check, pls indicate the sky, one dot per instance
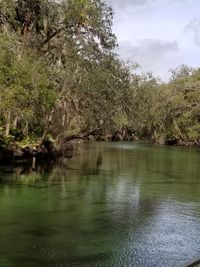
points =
(158, 34)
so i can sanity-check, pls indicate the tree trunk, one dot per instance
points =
(15, 122)
(8, 123)
(0, 107)
(25, 130)
(155, 136)
(27, 23)
(83, 136)
(178, 129)
(44, 134)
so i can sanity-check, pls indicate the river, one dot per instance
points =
(113, 204)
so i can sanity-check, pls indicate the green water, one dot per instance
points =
(113, 204)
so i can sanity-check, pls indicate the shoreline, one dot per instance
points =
(43, 152)
(49, 152)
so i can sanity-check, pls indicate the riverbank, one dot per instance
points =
(48, 150)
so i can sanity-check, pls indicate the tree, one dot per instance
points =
(27, 91)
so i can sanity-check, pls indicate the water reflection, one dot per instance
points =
(114, 204)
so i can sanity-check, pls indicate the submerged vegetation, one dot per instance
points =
(61, 79)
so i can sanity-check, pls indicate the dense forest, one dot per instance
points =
(60, 79)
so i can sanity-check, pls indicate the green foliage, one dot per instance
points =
(27, 90)
(28, 140)
(59, 76)
(57, 69)
(194, 132)
(169, 110)
(6, 140)
(17, 134)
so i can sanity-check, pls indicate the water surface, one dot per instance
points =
(113, 204)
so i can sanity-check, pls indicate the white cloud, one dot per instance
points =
(124, 3)
(149, 47)
(194, 28)
(151, 55)
(152, 33)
